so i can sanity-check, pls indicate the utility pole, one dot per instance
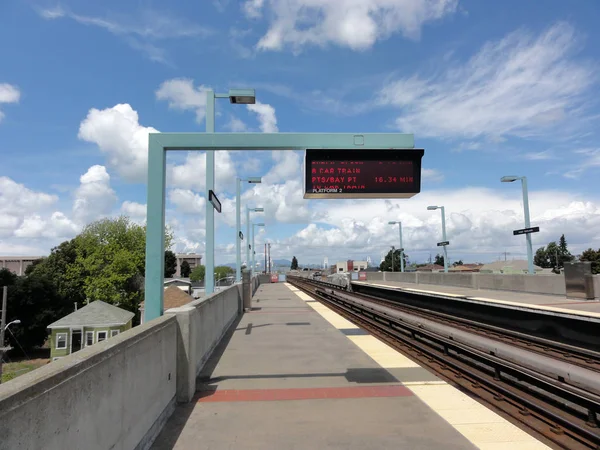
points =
(265, 257)
(3, 327)
(269, 257)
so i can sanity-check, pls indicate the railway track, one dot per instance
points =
(562, 412)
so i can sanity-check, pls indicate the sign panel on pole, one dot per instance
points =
(214, 200)
(362, 173)
(526, 231)
(443, 243)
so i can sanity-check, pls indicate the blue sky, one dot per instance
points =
(487, 88)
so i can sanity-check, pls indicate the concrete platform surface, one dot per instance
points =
(292, 374)
(541, 301)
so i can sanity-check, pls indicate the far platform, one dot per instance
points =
(537, 301)
(292, 374)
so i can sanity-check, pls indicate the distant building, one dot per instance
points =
(514, 266)
(430, 268)
(466, 268)
(193, 260)
(351, 266)
(182, 283)
(93, 323)
(17, 264)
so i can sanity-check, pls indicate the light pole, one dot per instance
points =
(238, 226)
(433, 208)
(237, 96)
(253, 251)
(401, 247)
(2, 330)
(510, 179)
(248, 211)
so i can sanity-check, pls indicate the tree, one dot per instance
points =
(439, 260)
(386, 264)
(35, 301)
(458, 263)
(553, 255)
(185, 269)
(294, 265)
(223, 272)
(594, 257)
(198, 274)
(7, 278)
(111, 261)
(170, 264)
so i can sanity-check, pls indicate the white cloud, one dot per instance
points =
(346, 23)
(187, 201)
(16, 199)
(8, 94)
(134, 210)
(236, 125)
(288, 166)
(266, 117)
(431, 175)
(119, 135)
(192, 173)
(94, 198)
(539, 156)
(182, 95)
(58, 226)
(522, 85)
(282, 202)
(139, 30)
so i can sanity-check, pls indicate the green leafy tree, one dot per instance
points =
(386, 264)
(185, 269)
(458, 263)
(34, 300)
(553, 255)
(111, 261)
(198, 273)
(594, 257)
(7, 278)
(223, 272)
(170, 264)
(439, 260)
(294, 265)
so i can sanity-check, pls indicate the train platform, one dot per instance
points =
(536, 301)
(293, 374)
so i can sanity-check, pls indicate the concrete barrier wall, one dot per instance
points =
(402, 277)
(115, 394)
(596, 286)
(534, 284)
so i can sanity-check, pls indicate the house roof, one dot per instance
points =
(97, 313)
(174, 298)
(430, 267)
(173, 280)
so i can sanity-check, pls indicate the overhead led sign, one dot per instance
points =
(364, 173)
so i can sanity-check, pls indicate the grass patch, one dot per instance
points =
(14, 369)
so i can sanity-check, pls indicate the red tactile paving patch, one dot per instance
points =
(266, 395)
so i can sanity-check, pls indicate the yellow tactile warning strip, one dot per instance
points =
(491, 300)
(483, 427)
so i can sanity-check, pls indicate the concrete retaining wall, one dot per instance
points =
(534, 284)
(115, 394)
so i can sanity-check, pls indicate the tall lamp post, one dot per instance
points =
(401, 247)
(2, 330)
(253, 251)
(238, 226)
(248, 211)
(235, 96)
(510, 179)
(433, 208)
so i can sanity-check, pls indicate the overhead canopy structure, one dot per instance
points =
(160, 143)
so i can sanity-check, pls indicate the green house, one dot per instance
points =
(93, 323)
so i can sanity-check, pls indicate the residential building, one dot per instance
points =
(430, 268)
(93, 323)
(173, 298)
(182, 283)
(193, 259)
(17, 264)
(351, 266)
